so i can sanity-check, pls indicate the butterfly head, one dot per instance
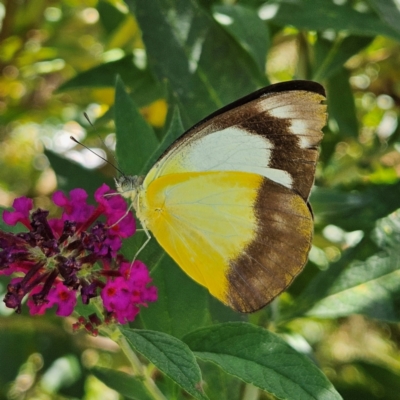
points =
(129, 186)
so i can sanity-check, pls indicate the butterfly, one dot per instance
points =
(228, 200)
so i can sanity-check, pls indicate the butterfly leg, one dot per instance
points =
(144, 244)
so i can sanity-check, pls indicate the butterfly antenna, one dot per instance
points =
(98, 155)
(102, 141)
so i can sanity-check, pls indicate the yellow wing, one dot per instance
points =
(241, 235)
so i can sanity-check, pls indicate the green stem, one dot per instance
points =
(329, 58)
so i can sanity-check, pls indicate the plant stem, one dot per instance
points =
(329, 57)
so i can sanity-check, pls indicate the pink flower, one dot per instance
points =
(22, 206)
(75, 209)
(60, 258)
(123, 295)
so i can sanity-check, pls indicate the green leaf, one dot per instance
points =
(321, 15)
(110, 16)
(330, 56)
(201, 84)
(341, 103)
(370, 287)
(179, 299)
(136, 140)
(71, 175)
(247, 28)
(170, 356)
(123, 383)
(389, 12)
(175, 130)
(263, 359)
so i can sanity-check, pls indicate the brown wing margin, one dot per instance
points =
(278, 253)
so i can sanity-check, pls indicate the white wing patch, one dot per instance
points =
(231, 149)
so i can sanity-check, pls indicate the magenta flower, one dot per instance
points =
(58, 259)
(124, 294)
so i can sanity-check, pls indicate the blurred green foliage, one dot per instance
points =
(184, 58)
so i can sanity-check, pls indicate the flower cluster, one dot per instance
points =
(55, 259)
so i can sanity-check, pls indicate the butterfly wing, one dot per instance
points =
(228, 200)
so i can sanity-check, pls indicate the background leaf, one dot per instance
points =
(258, 356)
(136, 140)
(358, 209)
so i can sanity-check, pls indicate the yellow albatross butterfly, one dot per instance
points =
(228, 200)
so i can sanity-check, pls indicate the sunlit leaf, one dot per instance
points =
(141, 82)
